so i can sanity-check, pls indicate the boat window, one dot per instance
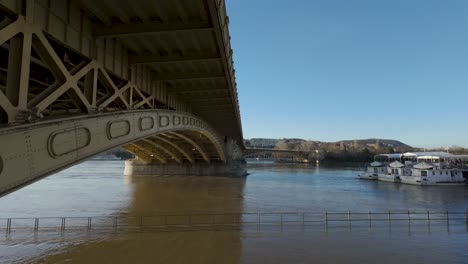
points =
(433, 173)
(423, 173)
(440, 173)
(446, 173)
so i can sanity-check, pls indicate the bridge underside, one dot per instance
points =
(80, 77)
(157, 137)
(61, 58)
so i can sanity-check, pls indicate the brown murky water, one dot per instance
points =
(98, 188)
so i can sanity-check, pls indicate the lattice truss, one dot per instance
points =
(41, 78)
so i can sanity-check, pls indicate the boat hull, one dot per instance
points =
(368, 176)
(388, 178)
(430, 181)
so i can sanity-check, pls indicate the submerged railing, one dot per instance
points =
(303, 219)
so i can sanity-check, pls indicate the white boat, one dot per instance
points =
(431, 168)
(378, 166)
(435, 170)
(394, 171)
(372, 171)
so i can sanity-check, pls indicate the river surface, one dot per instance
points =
(99, 188)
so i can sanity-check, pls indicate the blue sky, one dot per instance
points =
(344, 69)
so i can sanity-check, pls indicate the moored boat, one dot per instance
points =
(378, 166)
(419, 168)
(372, 171)
(393, 173)
(435, 173)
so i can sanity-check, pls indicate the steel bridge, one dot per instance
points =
(79, 77)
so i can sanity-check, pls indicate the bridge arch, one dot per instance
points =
(154, 136)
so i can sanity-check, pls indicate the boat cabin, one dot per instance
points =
(427, 157)
(376, 168)
(396, 168)
(387, 158)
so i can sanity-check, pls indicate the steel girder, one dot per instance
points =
(20, 104)
(31, 151)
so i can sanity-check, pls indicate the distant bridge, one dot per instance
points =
(297, 155)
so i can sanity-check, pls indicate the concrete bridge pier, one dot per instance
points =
(233, 166)
(231, 169)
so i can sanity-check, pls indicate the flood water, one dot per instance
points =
(98, 188)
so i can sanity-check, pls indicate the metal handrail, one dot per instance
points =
(235, 219)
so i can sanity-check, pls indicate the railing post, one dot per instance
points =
(466, 217)
(89, 223)
(115, 222)
(448, 221)
(428, 222)
(8, 225)
(36, 224)
(409, 217)
(62, 226)
(349, 219)
(389, 217)
(370, 218)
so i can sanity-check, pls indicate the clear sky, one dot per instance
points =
(343, 69)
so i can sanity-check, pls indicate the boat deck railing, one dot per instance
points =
(304, 219)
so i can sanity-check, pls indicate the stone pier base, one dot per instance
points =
(232, 169)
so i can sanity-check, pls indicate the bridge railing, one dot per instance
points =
(303, 219)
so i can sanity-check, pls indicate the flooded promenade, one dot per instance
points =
(98, 188)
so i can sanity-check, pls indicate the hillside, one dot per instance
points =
(344, 150)
(373, 141)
